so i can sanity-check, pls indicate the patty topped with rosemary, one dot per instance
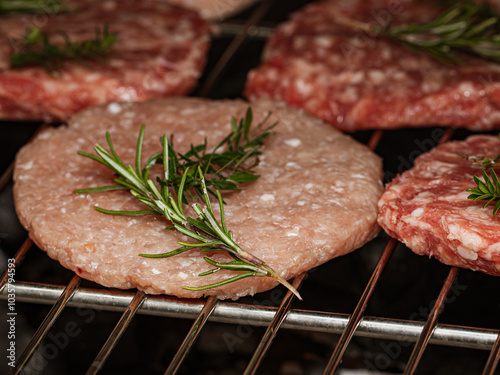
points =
(433, 208)
(307, 201)
(386, 64)
(61, 60)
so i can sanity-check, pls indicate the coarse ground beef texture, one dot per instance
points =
(161, 51)
(427, 208)
(316, 198)
(354, 81)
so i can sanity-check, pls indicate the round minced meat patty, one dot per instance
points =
(427, 208)
(316, 198)
(354, 81)
(160, 51)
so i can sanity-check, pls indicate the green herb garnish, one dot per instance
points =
(35, 49)
(32, 6)
(167, 196)
(229, 164)
(489, 190)
(467, 27)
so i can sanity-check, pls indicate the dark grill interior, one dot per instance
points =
(369, 312)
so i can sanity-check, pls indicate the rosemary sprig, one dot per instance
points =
(482, 160)
(229, 164)
(36, 49)
(465, 27)
(167, 200)
(33, 6)
(488, 191)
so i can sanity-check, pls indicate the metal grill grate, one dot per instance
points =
(356, 338)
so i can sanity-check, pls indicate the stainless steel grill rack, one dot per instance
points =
(381, 312)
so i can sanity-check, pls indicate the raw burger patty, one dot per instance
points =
(427, 208)
(215, 9)
(161, 51)
(316, 198)
(353, 81)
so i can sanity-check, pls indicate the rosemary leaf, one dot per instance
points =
(488, 191)
(33, 6)
(35, 49)
(467, 26)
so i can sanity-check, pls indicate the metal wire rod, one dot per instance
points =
(47, 323)
(235, 313)
(192, 335)
(117, 333)
(355, 318)
(18, 258)
(493, 359)
(430, 324)
(236, 43)
(273, 327)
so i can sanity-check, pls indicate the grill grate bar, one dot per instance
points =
(18, 258)
(192, 335)
(430, 324)
(355, 318)
(273, 327)
(117, 333)
(248, 29)
(239, 313)
(6, 176)
(493, 359)
(48, 322)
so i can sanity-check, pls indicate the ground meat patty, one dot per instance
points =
(316, 198)
(161, 51)
(354, 81)
(427, 207)
(215, 9)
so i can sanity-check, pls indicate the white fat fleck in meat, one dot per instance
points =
(417, 212)
(183, 275)
(304, 87)
(293, 142)
(294, 232)
(293, 165)
(156, 271)
(414, 221)
(467, 237)
(114, 108)
(26, 166)
(267, 197)
(466, 253)
(376, 76)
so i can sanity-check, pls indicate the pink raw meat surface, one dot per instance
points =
(316, 198)
(427, 208)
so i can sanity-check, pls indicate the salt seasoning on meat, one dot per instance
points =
(296, 216)
(427, 208)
